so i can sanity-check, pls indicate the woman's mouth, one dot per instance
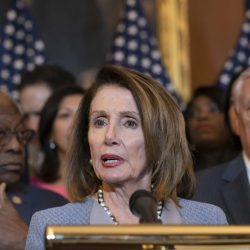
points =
(110, 160)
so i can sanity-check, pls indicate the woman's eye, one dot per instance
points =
(213, 109)
(63, 115)
(131, 124)
(99, 122)
(193, 113)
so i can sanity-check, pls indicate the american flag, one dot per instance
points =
(239, 58)
(20, 46)
(135, 47)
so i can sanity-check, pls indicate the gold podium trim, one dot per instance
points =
(149, 229)
(149, 236)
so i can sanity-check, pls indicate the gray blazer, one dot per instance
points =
(226, 186)
(191, 212)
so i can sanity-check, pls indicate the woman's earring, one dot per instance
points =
(90, 161)
(52, 145)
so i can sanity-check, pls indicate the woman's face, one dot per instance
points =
(61, 129)
(205, 122)
(116, 138)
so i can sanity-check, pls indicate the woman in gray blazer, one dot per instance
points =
(129, 135)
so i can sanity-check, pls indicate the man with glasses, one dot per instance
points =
(18, 201)
(228, 185)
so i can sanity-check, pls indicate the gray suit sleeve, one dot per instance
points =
(221, 217)
(36, 235)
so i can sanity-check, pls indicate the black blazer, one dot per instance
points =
(226, 186)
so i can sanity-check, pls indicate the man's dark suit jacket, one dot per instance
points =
(226, 186)
(27, 199)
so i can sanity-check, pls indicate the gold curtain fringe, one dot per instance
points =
(173, 34)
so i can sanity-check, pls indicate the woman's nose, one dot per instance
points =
(202, 114)
(111, 136)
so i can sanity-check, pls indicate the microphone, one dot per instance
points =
(144, 205)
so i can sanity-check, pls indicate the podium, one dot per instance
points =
(147, 236)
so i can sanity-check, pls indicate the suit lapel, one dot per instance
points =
(236, 191)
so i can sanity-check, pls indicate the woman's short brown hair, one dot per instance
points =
(163, 126)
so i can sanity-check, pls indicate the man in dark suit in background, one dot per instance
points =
(18, 201)
(227, 185)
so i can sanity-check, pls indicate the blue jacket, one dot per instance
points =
(28, 199)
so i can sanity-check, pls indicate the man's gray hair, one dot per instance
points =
(237, 87)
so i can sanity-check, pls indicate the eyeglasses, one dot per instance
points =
(23, 136)
(209, 109)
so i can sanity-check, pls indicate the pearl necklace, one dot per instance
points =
(102, 203)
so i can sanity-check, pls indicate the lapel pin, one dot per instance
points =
(16, 200)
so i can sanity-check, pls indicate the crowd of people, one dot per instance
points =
(82, 153)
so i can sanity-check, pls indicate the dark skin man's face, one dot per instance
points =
(11, 150)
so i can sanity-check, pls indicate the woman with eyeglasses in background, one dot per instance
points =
(209, 134)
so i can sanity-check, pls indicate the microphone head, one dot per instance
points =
(137, 195)
(144, 205)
